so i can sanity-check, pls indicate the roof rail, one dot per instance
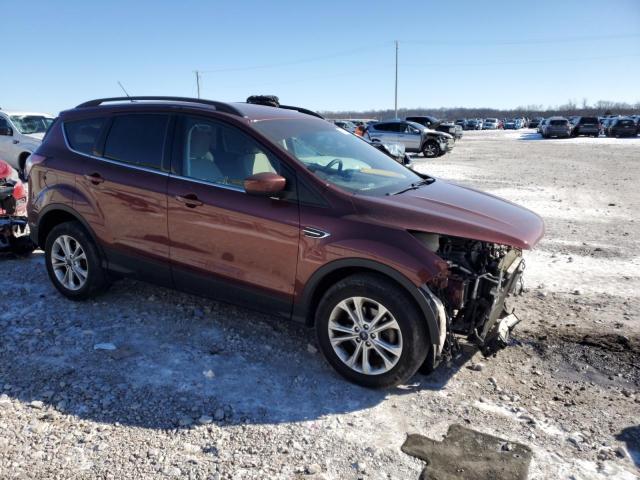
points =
(220, 106)
(302, 110)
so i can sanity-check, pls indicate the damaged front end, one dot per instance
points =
(474, 290)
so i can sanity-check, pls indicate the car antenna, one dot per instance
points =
(125, 92)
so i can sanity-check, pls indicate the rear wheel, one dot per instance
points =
(73, 262)
(371, 332)
(431, 149)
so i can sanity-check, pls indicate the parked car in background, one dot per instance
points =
(511, 124)
(415, 137)
(556, 127)
(473, 124)
(541, 125)
(361, 121)
(20, 135)
(435, 124)
(586, 126)
(386, 264)
(605, 123)
(490, 124)
(461, 123)
(534, 122)
(346, 124)
(622, 127)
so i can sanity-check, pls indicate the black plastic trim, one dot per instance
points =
(219, 106)
(302, 309)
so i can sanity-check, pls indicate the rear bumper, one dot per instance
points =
(558, 133)
(587, 130)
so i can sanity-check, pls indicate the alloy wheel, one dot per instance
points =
(365, 335)
(69, 262)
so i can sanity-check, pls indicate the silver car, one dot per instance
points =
(490, 124)
(414, 137)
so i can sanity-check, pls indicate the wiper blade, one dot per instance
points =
(415, 186)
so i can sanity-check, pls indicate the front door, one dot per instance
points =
(409, 136)
(225, 243)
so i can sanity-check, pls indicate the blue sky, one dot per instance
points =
(325, 55)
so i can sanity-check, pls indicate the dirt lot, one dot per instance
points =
(185, 387)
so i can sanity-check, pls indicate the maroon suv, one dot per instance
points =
(280, 211)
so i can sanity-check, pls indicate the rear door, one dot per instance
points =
(123, 190)
(385, 132)
(225, 243)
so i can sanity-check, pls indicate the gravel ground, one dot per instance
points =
(148, 383)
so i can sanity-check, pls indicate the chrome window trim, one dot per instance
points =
(208, 183)
(108, 160)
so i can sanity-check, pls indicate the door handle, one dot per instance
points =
(15, 142)
(94, 178)
(190, 200)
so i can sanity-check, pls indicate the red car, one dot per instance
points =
(280, 211)
(14, 233)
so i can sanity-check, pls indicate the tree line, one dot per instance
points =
(601, 107)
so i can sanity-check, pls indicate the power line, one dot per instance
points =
(354, 51)
(483, 43)
(518, 62)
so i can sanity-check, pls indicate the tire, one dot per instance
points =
(431, 149)
(405, 334)
(22, 161)
(89, 264)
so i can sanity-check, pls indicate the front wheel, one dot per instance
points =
(370, 331)
(73, 262)
(431, 149)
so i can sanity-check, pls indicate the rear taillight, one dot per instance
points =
(19, 192)
(34, 159)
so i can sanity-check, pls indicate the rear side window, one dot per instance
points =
(386, 127)
(137, 140)
(82, 135)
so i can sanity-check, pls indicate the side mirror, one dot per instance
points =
(266, 184)
(7, 131)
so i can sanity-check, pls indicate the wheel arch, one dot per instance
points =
(329, 274)
(56, 214)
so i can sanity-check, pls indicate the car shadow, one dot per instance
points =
(149, 357)
(631, 437)
(528, 136)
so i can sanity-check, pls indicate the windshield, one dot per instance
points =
(338, 157)
(28, 124)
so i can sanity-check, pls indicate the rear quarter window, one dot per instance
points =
(82, 135)
(137, 139)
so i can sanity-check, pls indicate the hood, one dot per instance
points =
(450, 209)
(437, 133)
(35, 136)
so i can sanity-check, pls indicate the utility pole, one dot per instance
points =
(396, 99)
(197, 72)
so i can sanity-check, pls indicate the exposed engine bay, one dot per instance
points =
(480, 277)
